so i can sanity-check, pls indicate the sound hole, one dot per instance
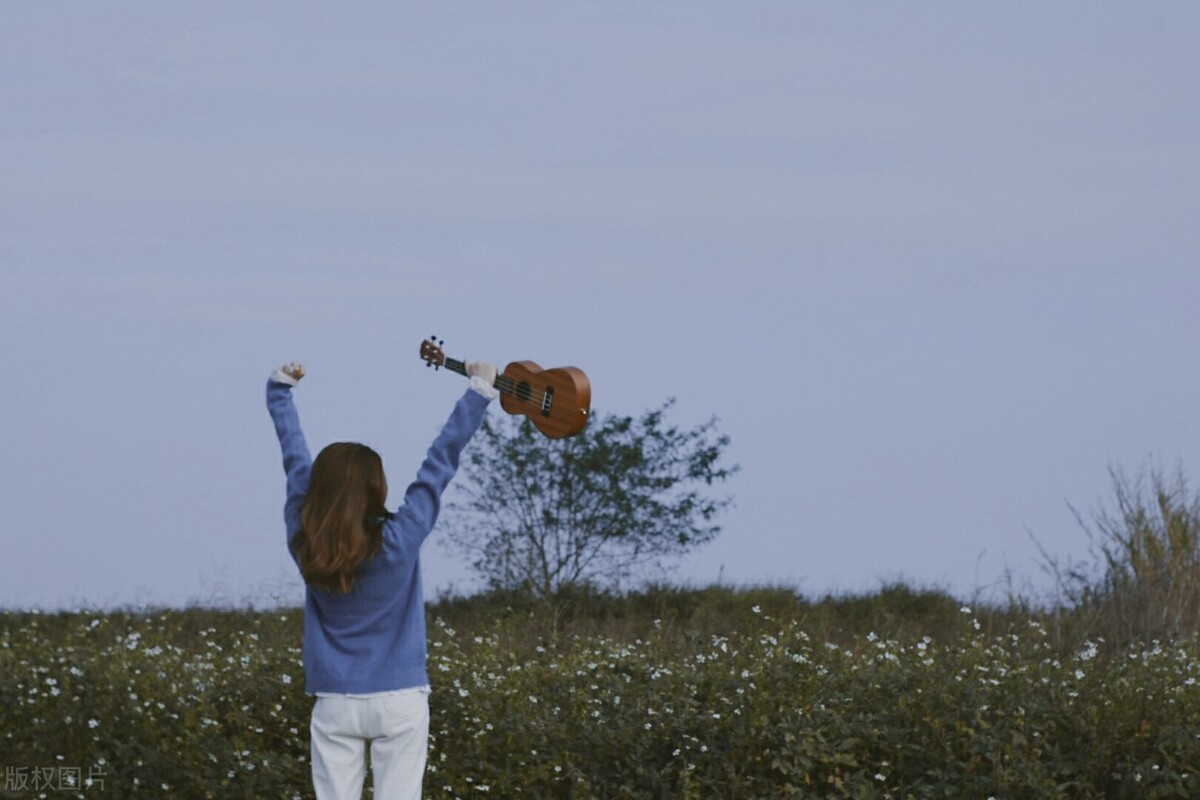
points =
(524, 393)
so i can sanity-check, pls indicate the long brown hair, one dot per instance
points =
(341, 524)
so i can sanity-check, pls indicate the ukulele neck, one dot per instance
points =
(454, 365)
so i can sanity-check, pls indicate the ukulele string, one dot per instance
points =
(510, 386)
(503, 382)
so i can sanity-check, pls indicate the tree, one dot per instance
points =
(621, 497)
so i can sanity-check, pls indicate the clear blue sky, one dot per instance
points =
(933, 265)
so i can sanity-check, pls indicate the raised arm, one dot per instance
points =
(422, 500)
(297, 462)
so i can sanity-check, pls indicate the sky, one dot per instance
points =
(933, 266)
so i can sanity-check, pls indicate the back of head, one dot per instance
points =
(341, 524)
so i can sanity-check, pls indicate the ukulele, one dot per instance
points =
(557, 401)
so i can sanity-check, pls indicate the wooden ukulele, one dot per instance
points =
(557, 401)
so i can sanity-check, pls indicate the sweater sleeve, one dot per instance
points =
(422, 500)
(297, 463)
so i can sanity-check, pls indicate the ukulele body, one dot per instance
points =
(555, 400)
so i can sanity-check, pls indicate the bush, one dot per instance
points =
(1145, 584)
(173, 704)
(750, 702)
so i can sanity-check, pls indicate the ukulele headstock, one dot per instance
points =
(432, 353)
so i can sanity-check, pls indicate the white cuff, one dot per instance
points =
(481, 385)
(279, 376)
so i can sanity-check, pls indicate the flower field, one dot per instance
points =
(759, 703)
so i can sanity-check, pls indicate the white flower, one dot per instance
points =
(285, 678)
(879, 776)
(93, 723)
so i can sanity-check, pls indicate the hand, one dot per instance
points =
(483, 369)
(288, 373)
(483, 378)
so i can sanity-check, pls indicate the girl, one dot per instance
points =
(364, 613)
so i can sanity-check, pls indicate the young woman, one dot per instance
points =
(364, 615)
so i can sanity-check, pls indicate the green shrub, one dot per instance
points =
(156, 705)
(211, 704)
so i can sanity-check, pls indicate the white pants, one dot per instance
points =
(394, 727)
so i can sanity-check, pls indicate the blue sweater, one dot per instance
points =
(372, 639)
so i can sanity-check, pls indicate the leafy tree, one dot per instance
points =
(621, 497)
